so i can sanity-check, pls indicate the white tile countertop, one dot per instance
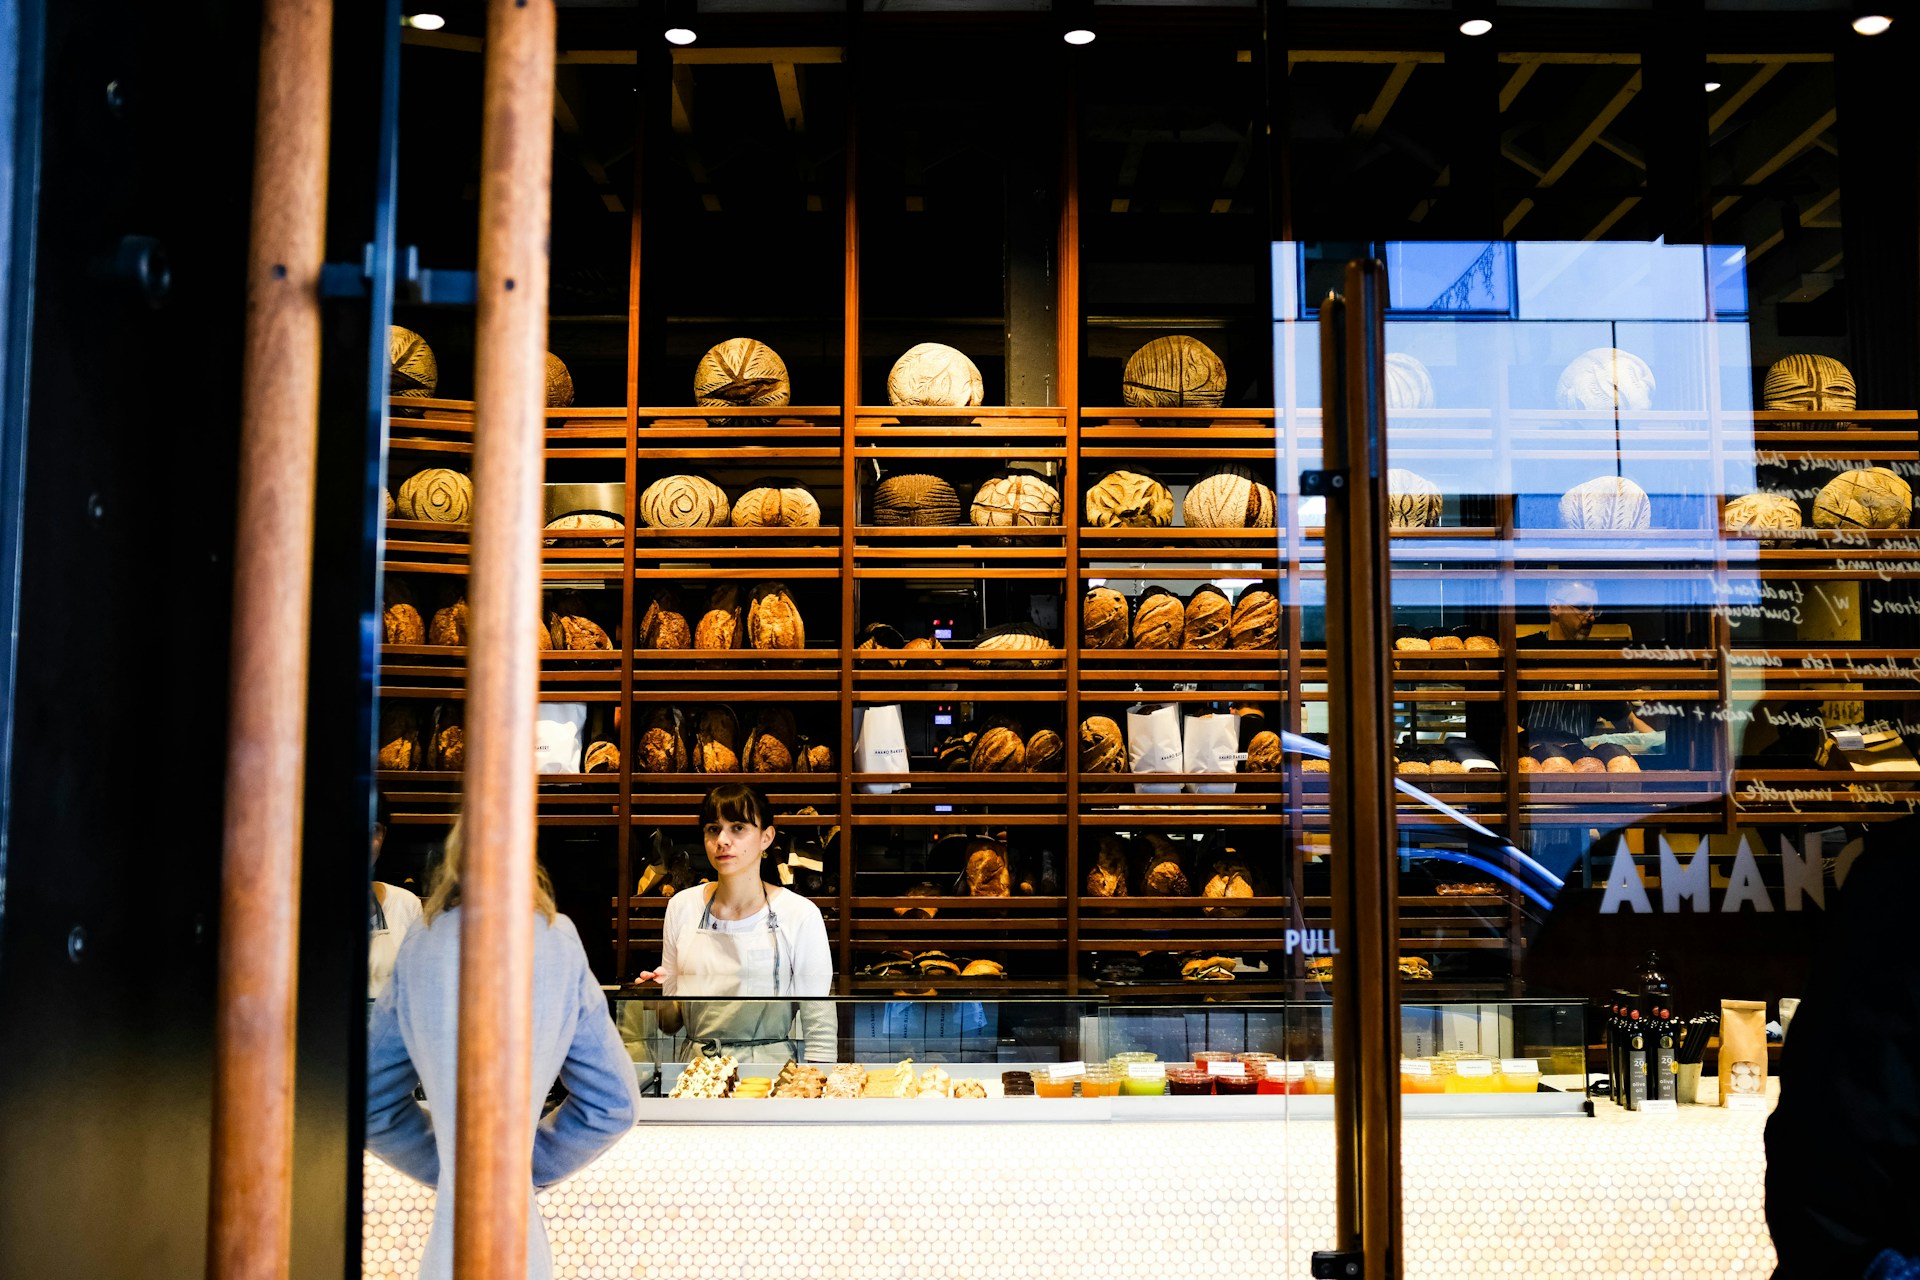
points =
(1618, 1195)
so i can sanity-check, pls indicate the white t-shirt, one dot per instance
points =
(402, 910)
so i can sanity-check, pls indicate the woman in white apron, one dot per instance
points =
(741, 937)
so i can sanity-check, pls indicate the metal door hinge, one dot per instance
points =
(1330, 1264)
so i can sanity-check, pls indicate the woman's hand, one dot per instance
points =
(650, 975)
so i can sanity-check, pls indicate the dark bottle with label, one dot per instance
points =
(1636, 1059)
(1651, 983)
(1661, 1079)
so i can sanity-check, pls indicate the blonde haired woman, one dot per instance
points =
(414, 1040)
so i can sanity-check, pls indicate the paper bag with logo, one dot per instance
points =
(1210, 745)
(1743, 1049)
(1153, 742)
(559, 737)
(879, 746)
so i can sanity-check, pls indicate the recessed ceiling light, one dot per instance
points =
(1079, 35)
(1872, 24)
(681, 35)
(425, 21)
(1476, 26)
(1713, 86)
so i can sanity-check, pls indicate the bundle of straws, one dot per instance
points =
(1694, 1034)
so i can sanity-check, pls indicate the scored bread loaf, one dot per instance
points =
(663, 741)
(741, 371)
(1103, 749)
(1757, 512)
(1046, 753)
(1809, 384)
(1174, 372)
(400, 739)
(412, 371)
(931, 374)
(878, 636)
(1229, 880)
(774, 742)
(1164, 876)
(923, 645)
(812, 757)
(401, 624)
(1104, 623)
(448, 750)
(664, 624)
(1017, 499)
(450, 625)
(1229, 497)
(1126, 499)
(773, 619)
(684, 502)
(1606, 502)
(1264, 753)
(437, 494)
(1864, 498)
(1413, 501)
(1256, 620)
(999, 750)
(915, 500)
(777, 504)
(1006, 642)
(987, 873)
(1209, 622)
(579, 520)
(719, 626)
(716, 741)
(1409, 385)
(1159, 620)
(559, 383)
(602, 757)
(575, 632)
(1107, 877)
(1606, 378)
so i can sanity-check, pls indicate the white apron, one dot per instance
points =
(715, 962)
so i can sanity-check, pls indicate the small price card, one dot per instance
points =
(1473, 1067)
(1146, 1070)
(1215, 1067)
(1415, 1067)
(1065, 1070)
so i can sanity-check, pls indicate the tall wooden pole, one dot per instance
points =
(1366, 969)
(251, 1211)
(494, 1149)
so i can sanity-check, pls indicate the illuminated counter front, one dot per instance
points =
(1617, 1195)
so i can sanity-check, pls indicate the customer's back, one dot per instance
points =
(415, 1037)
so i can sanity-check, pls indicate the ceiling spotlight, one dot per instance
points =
(1078, 35)
(1713, 86)
(424, 21)
(1872, 24)
(681, 35)
(1476, 27)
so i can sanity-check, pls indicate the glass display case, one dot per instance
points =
(1031, 1055)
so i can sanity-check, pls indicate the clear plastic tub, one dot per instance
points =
(1519, 1075)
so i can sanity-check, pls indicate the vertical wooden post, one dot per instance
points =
(1067, 354)
(494, 1157)
(251, 1211)
(1366, 975)
(849, 506)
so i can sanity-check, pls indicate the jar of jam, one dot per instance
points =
(1100, 1081)
(1143, 1080)
(1472, 1075)
(1051, 1083)
(1417, 1076)
(1320, 1078)
(1255, 1063)
(1236, 1085)
(1283, 1077)
(1121, 1061)
(1203, 1056)
(1188, 1080)
(1519, 1075)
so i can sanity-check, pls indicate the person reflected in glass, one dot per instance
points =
(743, 937)
(1573, 606)
(413, 1043)
(392, 912)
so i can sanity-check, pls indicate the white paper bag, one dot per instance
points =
(879, 746)
(1153, 742)
(560, 737)
(1211, 744)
